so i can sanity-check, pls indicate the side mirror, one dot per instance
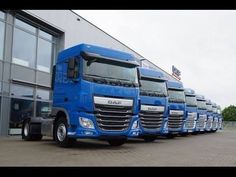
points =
(73, 68)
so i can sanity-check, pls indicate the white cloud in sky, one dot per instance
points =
(200, 43)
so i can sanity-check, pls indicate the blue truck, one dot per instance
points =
(201, 114)
(220, 118)
(95, 95)
(209, 121)
(215, 118)
(191, 111)
(154, 102)
(176, 108)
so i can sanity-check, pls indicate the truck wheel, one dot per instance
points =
(149, 138)
(183, 134)
(195, 133)
(27, 135)
(116, 142)
(170, 136)
(60, 134)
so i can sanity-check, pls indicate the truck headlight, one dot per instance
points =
(135, 125)
(86, 123)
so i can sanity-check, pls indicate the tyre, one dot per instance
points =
(183, 134)
(60, 133)
(149, 138)
(27, 135)
(194, 133)
(170, 136)
(116, 142)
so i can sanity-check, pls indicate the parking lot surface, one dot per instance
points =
(212, 149)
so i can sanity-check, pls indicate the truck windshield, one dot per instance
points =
(176, 96)
(201, 104)
(153, 87)
(214, 109)
(191, 100)
(209, 107)
(110, 73)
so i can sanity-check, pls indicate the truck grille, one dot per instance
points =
(215, 124)
(209, 123)
(175, 122)
(190, 123)
(220, 124)
(201, 123)
(111, 117)
(151, 120)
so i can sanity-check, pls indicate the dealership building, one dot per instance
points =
(29, 43)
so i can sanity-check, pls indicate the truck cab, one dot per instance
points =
(95, 95)
(220, 118)
(209, 122)
(176, 107)
(215, 118)
(201, 114)
(154, 102)
(191, 110)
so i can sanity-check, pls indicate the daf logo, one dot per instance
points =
(114, 102)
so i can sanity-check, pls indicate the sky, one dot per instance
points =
(200, 43)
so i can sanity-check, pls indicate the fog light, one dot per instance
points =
(86, 123)
(135, 125)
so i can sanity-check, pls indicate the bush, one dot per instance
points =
(229, 113)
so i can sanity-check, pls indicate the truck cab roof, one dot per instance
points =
(175, 85)
(96, 51)
(214, 105)
(200, 97)
(189, 91)
(208, 102)
(151, 73)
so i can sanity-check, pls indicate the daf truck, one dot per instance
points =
(95, 95)
(154, 103)
(201, 114)
(209, 121)
(215, 118)
(191, 111)
(220, 118)
(176, 108)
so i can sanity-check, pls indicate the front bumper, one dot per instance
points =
(75, 130)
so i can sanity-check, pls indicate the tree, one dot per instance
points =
(229, 113)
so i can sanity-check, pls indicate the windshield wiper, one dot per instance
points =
(96, 78)
(112, 80)
(151, 93)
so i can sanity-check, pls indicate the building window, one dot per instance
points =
(20, 110)
(22, 104)
(43, 105)
(44, 57)
(42, 94)
(24, 53)
(45, 35)
(43, 108)
(24, 48)
(25, 26)
(2, 15)
(22, 91)
(2, 30)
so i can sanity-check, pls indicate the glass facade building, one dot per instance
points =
(27, 53)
